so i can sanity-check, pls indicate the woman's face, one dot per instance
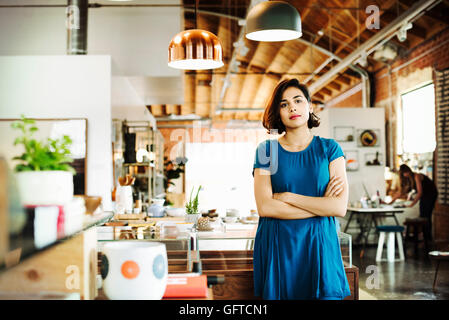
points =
(294, 108)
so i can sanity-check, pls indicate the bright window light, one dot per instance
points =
(224, 170)
(418, 120)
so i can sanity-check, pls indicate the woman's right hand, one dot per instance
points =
(334, 187)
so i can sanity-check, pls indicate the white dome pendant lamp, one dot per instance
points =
(195, 49)
(273, 21)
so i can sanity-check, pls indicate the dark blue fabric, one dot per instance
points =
(298, 259)
(390, 228)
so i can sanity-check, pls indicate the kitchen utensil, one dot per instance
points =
(134, 270)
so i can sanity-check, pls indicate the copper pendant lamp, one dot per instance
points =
(195, 49)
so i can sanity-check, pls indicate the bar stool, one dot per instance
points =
(415, 226)
(392, 232)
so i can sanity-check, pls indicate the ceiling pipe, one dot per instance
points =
(405, 17)
(76, 23)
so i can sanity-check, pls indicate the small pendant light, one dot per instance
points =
(195, 49)
(273, 21)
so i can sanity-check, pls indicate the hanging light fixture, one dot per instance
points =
(273, 21)
(195, 49)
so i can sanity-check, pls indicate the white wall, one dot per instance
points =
(65, 87)
(126, 103)
(137, 39)
(360, 118)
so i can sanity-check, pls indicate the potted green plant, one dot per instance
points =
(192, 207)
(44, 174)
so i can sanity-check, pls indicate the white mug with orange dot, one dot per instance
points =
(134, 270)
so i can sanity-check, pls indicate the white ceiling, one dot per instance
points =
(136, 38)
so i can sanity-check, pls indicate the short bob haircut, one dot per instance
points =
(271, 117)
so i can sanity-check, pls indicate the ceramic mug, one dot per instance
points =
(134, 270)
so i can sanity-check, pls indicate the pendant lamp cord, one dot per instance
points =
(196, 18)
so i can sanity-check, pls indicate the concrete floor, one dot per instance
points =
(411, 279)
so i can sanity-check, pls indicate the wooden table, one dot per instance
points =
(369, 216)
(437, 256)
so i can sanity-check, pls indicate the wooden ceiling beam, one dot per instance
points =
(418, 31)
(319, 96)
(265, 89)
(303, 9)
(362, 25)
(335, 85)
(261, 60)
(439, 13)
(326, 91)
(343, 79)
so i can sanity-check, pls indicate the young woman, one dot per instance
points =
(300, 186)
(426, 194)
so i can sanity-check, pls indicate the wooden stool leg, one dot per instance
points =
(380, 246)
(436, 274)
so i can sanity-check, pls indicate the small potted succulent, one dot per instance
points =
(44, 174)
(192, 208)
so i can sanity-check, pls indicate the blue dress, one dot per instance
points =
(298, 259)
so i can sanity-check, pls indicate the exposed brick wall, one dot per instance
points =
(172, 136)
(352, 101)
(433, 53)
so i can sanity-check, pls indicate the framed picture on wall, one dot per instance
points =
(352, 160)
(344, 133)
(368, 137)
(373, 159)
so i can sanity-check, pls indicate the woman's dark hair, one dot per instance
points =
(271, 117)
(407, 183)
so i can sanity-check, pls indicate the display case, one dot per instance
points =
(346, 248)
(229, 252)
(179, 246)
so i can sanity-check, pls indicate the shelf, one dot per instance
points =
(25, 242)
(139, 164)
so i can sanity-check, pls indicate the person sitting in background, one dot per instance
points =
(426, 194)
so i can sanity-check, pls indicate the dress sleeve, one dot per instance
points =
(334, 150)
(262, 156)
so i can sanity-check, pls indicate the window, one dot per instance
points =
(418, 120)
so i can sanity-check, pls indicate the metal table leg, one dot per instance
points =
(370, 221)
(349, 221)
(436, 274)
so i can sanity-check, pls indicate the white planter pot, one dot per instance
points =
(192, 218)
(45, 187)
